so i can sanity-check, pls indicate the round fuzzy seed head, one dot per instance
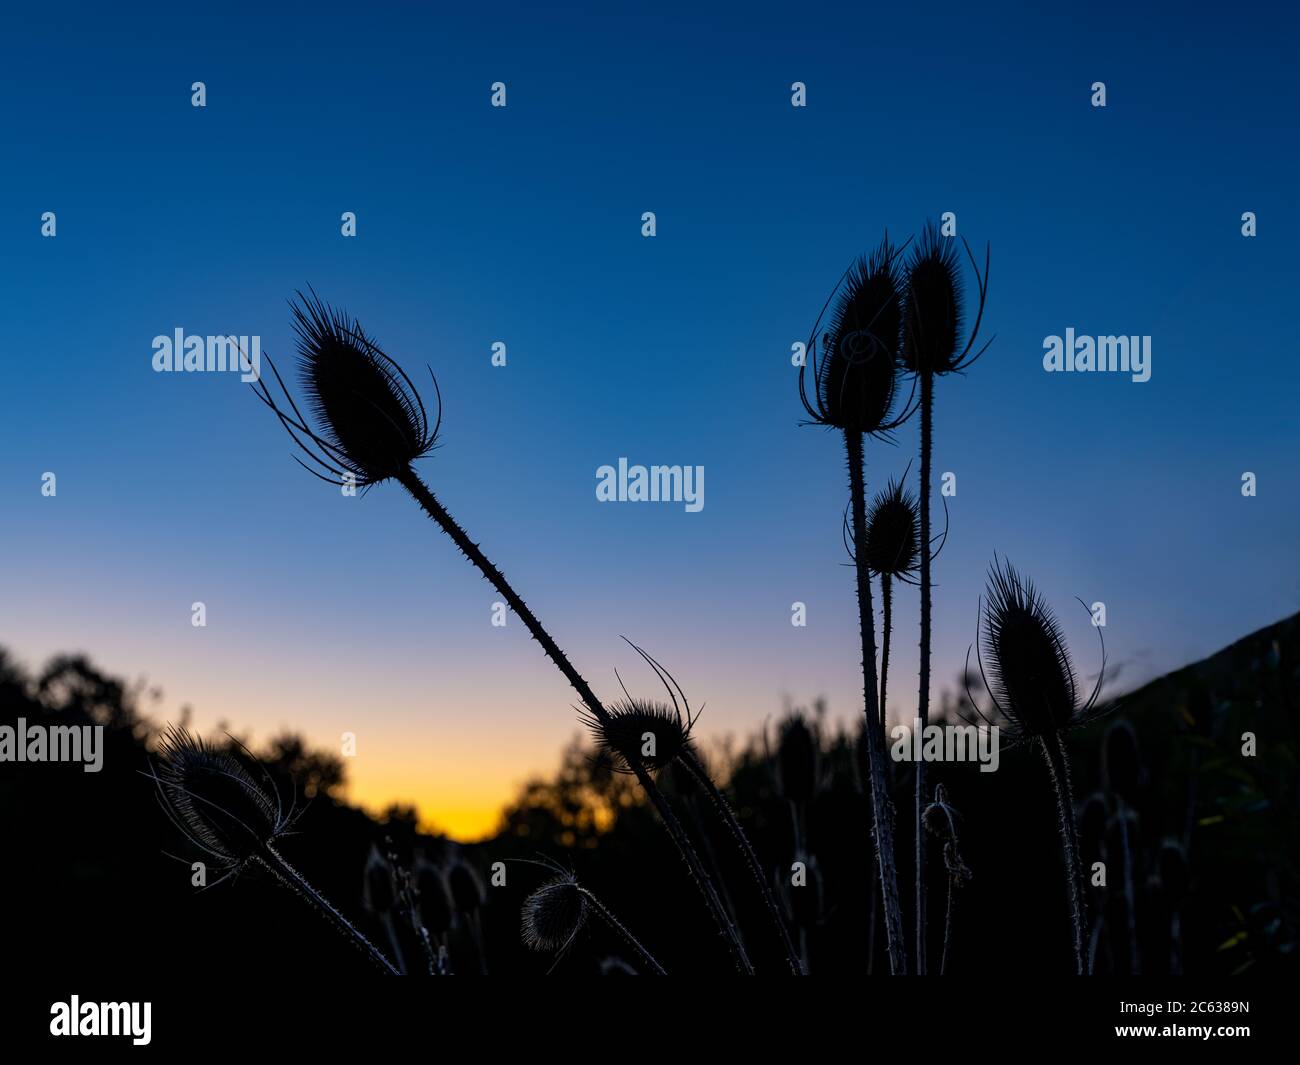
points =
(1121, 764)
(796, 760)
(893, 532)
(466, 887)
(553, 914)
(932, 305)
(1029, 670)
(857, 375)
(370, 413)
(650, 732)
(214, 799)
(435, 900)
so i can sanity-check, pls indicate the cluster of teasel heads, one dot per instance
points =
(897, 314)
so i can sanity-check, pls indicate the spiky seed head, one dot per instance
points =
(466, 887)
(796, 760)
(933, 305)
(434, 899)
(370, 413)
(1121, 762)
(644, 730)
(1028, 667)
(554, 914)
(893, 532)
(215, 800)
(857, 373)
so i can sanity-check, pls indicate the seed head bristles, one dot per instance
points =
(223, 811)
(854, 376)
(893, 524)
(373, 421)
(1030, 678)
(933, 306)
(556, 912)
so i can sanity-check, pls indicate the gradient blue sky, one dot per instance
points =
(523, 225)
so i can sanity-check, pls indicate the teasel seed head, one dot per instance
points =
(797, 758)
(933, 306)
(433, 898)
(369, 421)
(647, 731)
(1028, 671)
(554, 914)
(466, 887)
(854, 373)
(893, 532)
(216, 801)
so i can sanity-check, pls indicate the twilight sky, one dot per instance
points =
(523, 225)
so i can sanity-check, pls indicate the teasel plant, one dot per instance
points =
(368, 424)
(556, 912)
(659, 735)
(1037, 696)
(935, 343)
(893, 550)
(853, 387)
(941, 819)
(238, 820)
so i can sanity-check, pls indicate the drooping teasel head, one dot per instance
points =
(368, 421)
(433, 898)
(933, 318)
(1025, 663)
(797, 760)
(230, 813)
(854, 372)
(645, 731)
(554, 914)
(1121, 762)
(466, 887)
(893, 532)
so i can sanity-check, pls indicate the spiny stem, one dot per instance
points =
(728, 816)
(923, 697)
(296, 882)
(1058, 766)
(429, 502)
(880, 802)
(886, 597)
(627, 936)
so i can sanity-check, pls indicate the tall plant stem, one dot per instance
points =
(880, 802)
(429, 502)
(923, 697)
(947, 926)
(886, 603)
(1058, 765)
(623, 933)
(702, 778)
(297, 883)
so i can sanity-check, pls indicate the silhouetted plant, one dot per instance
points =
(932, 345)
(892, 548)
(374, 426)
(853, 389)
(940, 820)
(236, 821)
(660, 735)
(555, 913)
(1034, 688)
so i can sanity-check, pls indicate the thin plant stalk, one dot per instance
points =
(886, 602)
(411, 481)
(1058, 766)
(923, 696)
(880, 802)
(728, 816)
(622, 931)
(947, 926)
(271, 860)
